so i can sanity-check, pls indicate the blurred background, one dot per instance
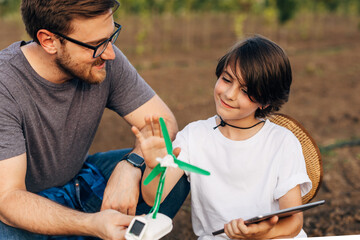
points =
(175, 45)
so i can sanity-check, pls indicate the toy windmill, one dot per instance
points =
(168, 160)
(149, 227)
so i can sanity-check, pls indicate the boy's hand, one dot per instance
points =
(237, 229)
(152, 143)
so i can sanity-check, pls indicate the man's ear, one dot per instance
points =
(47, 41)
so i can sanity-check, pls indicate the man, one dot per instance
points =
(53, 91)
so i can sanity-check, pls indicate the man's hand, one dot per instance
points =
(110, 224)
(236, 229)
(122, 190)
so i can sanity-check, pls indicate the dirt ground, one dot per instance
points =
(178, 56)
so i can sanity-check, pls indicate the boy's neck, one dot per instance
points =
(237, 134)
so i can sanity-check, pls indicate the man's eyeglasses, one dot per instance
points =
(100, 48)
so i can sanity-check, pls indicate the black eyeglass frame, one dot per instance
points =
(95, 48)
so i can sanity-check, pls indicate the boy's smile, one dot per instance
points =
(225, 104)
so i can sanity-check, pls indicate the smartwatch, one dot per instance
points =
(135, 160)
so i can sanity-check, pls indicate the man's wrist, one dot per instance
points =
(135, 160)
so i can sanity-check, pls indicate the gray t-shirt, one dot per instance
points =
(55, 124)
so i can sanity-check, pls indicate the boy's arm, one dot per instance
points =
(152, 145)
(291, 226)
(273, 228)
(149, 191)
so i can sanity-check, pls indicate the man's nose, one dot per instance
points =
(109, 53)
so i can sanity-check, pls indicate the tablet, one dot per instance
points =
(281, 214)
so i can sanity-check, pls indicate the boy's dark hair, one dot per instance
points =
(56, 15)
(266, 70)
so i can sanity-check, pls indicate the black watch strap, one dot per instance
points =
(136, 160)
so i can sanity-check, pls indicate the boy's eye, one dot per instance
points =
(244, 90)
(226, 79)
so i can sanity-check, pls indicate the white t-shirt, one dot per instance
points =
(247, 177)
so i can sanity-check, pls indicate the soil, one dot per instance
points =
(177, 56)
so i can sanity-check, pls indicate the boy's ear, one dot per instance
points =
(47, 41)
(264, 107)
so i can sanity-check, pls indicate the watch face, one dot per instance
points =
(135, 159)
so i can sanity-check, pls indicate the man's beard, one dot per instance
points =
(80, 71)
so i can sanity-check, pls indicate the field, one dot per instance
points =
(177, 56)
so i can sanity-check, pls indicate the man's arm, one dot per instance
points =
(22, 209)
(122, 190)
(154, 106)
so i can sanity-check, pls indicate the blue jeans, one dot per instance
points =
(85, 200)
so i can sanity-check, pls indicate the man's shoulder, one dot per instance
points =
(117, 65)
(12, 70)
(9, 57)
(119, 55)
(9, 52)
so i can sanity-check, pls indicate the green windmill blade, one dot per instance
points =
(166, 136)
(191, 168)
(184, 166)
(157, 170)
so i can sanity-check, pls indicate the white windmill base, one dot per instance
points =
(158, 227)
(147, 228)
